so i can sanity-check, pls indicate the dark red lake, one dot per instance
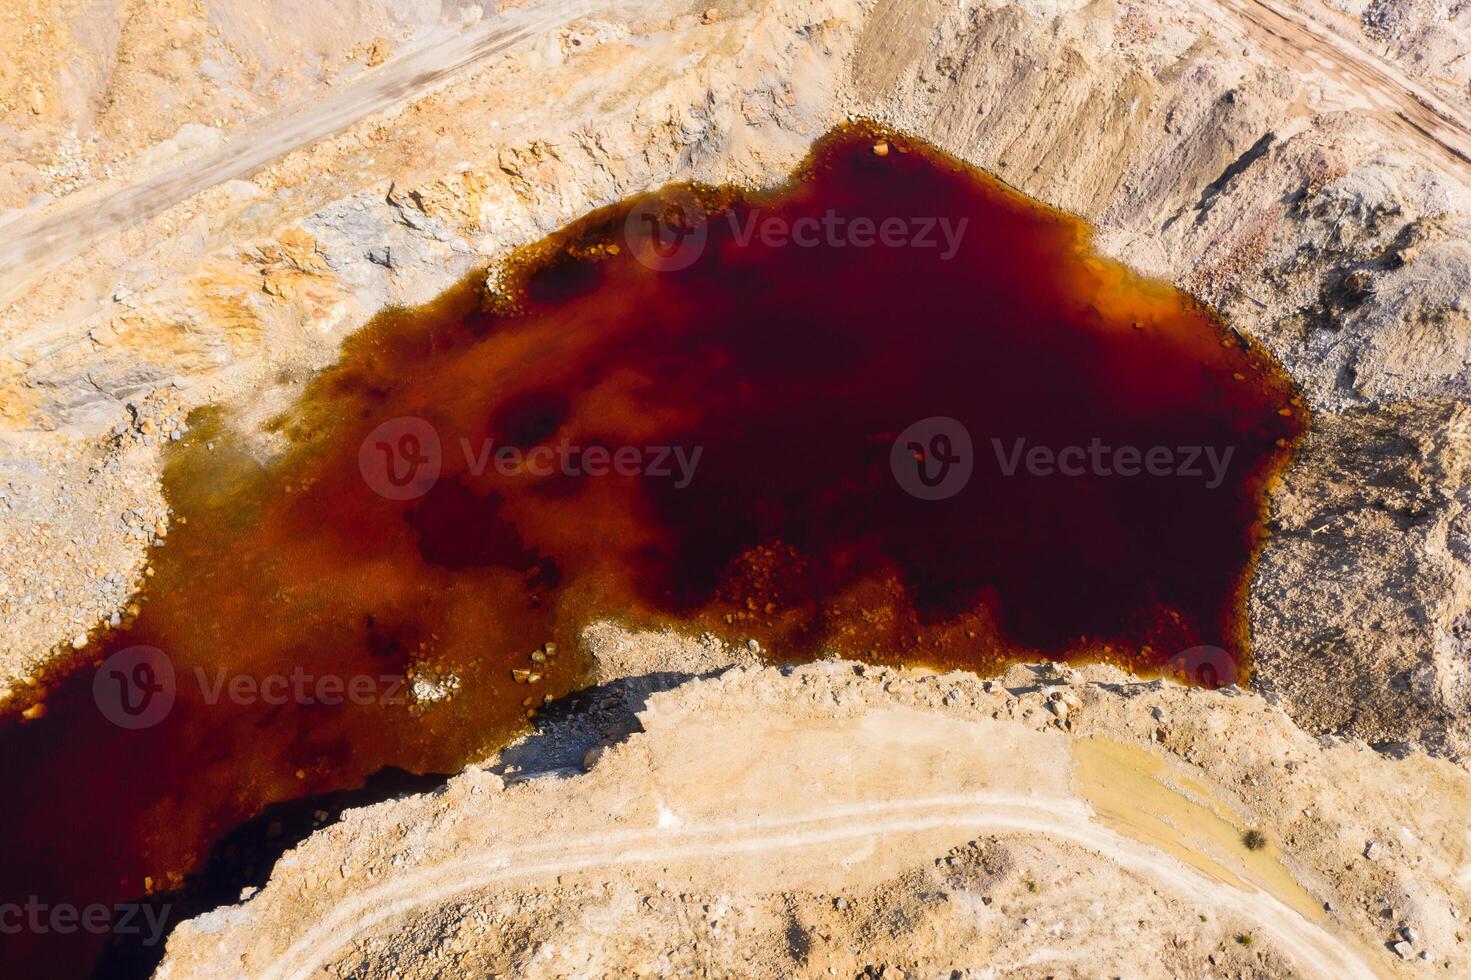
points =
(696, 397)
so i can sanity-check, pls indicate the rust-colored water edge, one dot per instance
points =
(893, 411)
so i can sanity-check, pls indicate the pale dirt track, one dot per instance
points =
(1303, 40)
(1316, 951)
(32, 247)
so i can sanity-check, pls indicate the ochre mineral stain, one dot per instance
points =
(681, 411)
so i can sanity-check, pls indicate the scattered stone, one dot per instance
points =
(378, 51)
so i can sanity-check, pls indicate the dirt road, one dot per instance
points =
(1316, 951)
(32, 247)
(1299, 38)
(782, 798)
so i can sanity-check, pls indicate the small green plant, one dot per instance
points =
(1254, 840)
(1245, 938)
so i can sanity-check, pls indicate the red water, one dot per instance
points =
(821, 514)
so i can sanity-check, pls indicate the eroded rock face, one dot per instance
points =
(1361, 604)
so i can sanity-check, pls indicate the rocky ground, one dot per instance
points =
(100, 93)
(838, 819)
(1303, 167)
